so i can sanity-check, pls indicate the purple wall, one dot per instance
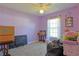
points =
(29, 24)
(73, 11)
(25, 24)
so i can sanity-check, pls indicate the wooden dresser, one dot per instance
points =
(6, 37)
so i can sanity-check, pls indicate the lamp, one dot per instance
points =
(41, 11)
(41, 7)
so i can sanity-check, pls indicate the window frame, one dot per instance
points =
(58, 26)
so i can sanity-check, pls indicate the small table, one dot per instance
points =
(42, 35)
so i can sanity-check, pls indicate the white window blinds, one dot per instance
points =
(53, 27)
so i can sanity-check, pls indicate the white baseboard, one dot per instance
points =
(32, 41)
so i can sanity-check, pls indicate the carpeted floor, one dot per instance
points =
(34, 49)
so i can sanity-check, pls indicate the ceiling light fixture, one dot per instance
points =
(41, 7)
(41, 11)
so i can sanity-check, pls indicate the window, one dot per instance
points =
(53, 27)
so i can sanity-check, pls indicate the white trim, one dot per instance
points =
(33, 41)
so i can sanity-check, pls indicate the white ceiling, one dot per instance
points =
(27, 7)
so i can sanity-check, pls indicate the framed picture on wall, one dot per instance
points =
(69, 22)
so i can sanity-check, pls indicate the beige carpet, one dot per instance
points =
(34, 49)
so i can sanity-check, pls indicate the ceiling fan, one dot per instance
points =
(41, 7)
